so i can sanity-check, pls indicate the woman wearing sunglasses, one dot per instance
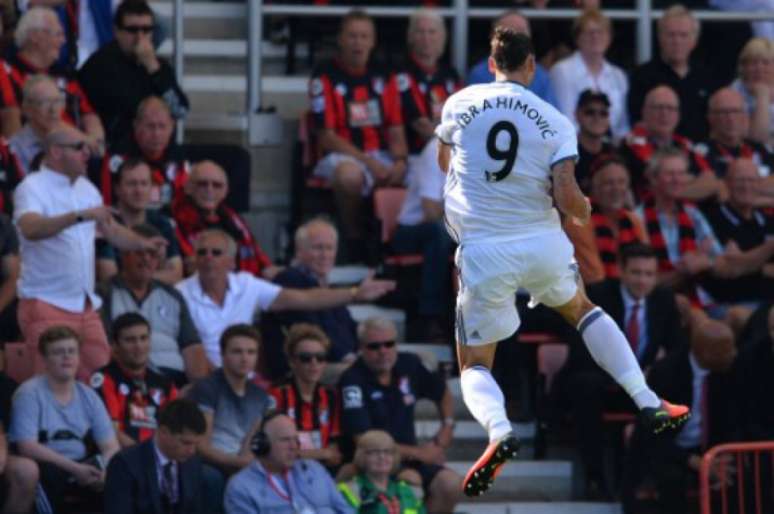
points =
(314, 407)
(375, 489)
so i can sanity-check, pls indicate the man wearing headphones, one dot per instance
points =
(278, 481)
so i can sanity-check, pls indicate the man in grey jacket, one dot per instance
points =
(278, 481)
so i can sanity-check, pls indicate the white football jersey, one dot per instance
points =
(504, 140)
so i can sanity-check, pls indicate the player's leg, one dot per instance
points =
(611, 351)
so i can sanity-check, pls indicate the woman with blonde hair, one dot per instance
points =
(375, 489)
(756, 84)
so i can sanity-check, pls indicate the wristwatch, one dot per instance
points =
(79, 217)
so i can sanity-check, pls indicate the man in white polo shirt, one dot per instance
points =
(218, 297)
(58, 212)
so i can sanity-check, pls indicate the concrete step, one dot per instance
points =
(527, 480)
(470, 430)
(499, 507)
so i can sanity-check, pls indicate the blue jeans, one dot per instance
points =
(433, 242)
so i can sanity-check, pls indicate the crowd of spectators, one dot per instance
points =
(177, 368)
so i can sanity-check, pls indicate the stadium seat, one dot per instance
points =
(18, 362)
(550, 359)
(387, 204)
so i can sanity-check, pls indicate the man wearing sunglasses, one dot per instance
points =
(120, 74)
(593, 117)
(380, 390)
(58, 213)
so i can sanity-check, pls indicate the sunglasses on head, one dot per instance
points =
(376, 345)
(307, 357)
(215, 252)
(136, 29)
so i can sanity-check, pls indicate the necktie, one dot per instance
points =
(633, 328)
(168, 486)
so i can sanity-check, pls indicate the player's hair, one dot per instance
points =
(302, 232)
(131, 8)
(679, 11)
(129, 163)
(354, 15)
(510, 49)
(370, 440)
(182, 415)
(301, 332)
(636, 251)
(124, 321)
(231, 247)
(366, 326)
(589, 16)
(654, 165)
(36, 18)
(55, 334)
(239, 330)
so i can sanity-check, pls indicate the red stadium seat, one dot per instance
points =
(387, 204)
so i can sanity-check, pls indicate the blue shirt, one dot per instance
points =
(541, 82)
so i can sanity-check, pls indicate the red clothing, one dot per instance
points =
(190, 221)
(169, 174)
(133, 402)
(358, 108)
(13, 74)
(318, 422)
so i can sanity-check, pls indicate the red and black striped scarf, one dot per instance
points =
(686, 232)
(608, 245)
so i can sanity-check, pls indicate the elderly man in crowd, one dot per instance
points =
(380, 390)
(316, 243)
(204, 206)
(678, 32)
(305, 486)
(58, 211)
(123, 72)
(660, 117)
(176, 348)
(39, 37)
(218, 297)
(613, 222)
(42, 106)
(133, 182)
(151, 141)
(729, 125)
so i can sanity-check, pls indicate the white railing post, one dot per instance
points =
(177, 18)
(254, 58)
(460, 37)
(644, 31)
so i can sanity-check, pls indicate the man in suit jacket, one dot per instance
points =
(649, 317)
(699, 376)
(161, 475)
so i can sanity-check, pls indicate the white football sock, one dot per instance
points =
(612, 352)
(485, 401)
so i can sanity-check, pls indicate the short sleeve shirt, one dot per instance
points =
(367, 405)
(232, 416)
(245, 295)
(38, 416)
(504, 142)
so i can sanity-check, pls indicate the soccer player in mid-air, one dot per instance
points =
(510, 157)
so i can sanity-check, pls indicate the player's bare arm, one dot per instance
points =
(444, 155)
(567, 195)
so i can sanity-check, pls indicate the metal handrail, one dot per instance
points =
(707, 460)
(459, 11)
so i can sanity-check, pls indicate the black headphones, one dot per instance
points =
(260, 444)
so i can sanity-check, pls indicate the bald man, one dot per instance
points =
(541, 83)
(699, 375)
(729, 126)
(660, 117)
(203, 207)
(58, 212)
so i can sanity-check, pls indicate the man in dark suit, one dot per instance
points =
(161, 475)
(699, 376)
(650, 319)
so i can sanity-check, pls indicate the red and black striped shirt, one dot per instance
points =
(133, 402)
(422, 95)
(16, 69)
(319, 421)
(358, 108)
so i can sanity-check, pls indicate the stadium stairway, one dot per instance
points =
(214, 78)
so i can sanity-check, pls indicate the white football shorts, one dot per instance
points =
(492, 273)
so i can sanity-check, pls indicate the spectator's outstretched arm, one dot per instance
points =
(171, 271)
(325, 298)
(118, 488)
(195, 362)
(34, 226)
